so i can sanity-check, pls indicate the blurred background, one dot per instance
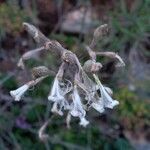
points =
(72, 23)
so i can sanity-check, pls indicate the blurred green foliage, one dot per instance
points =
(129, 25)
(132, 110)
(11, 19)
(9, 83)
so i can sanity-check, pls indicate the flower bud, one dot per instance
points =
(40, 71)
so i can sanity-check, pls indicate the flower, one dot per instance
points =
(18, 93)
(57, 96)
(98, 104)
(56, 93)
(77, 108)
(107, 100)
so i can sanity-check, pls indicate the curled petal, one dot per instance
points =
(18, 93)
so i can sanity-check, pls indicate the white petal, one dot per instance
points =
(18, 93)
(107, 100)
(55, 92)
(99, 106)
(83, 122)
(77, 108)
(114, 103)
(64, 104)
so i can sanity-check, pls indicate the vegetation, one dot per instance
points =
(113, 130)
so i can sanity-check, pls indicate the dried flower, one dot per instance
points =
(77, 108)
(57, 96)
(107, 100)
(56, 93)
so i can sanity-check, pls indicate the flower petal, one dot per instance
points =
(83, 122)
(55, 92)
(98, 105)
(18, 93)
(77, 108)
(107, 100)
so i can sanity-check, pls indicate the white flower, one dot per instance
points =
(98, 105)
(107, 100)
(55, 94)
(18, 93)
(77, 108)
